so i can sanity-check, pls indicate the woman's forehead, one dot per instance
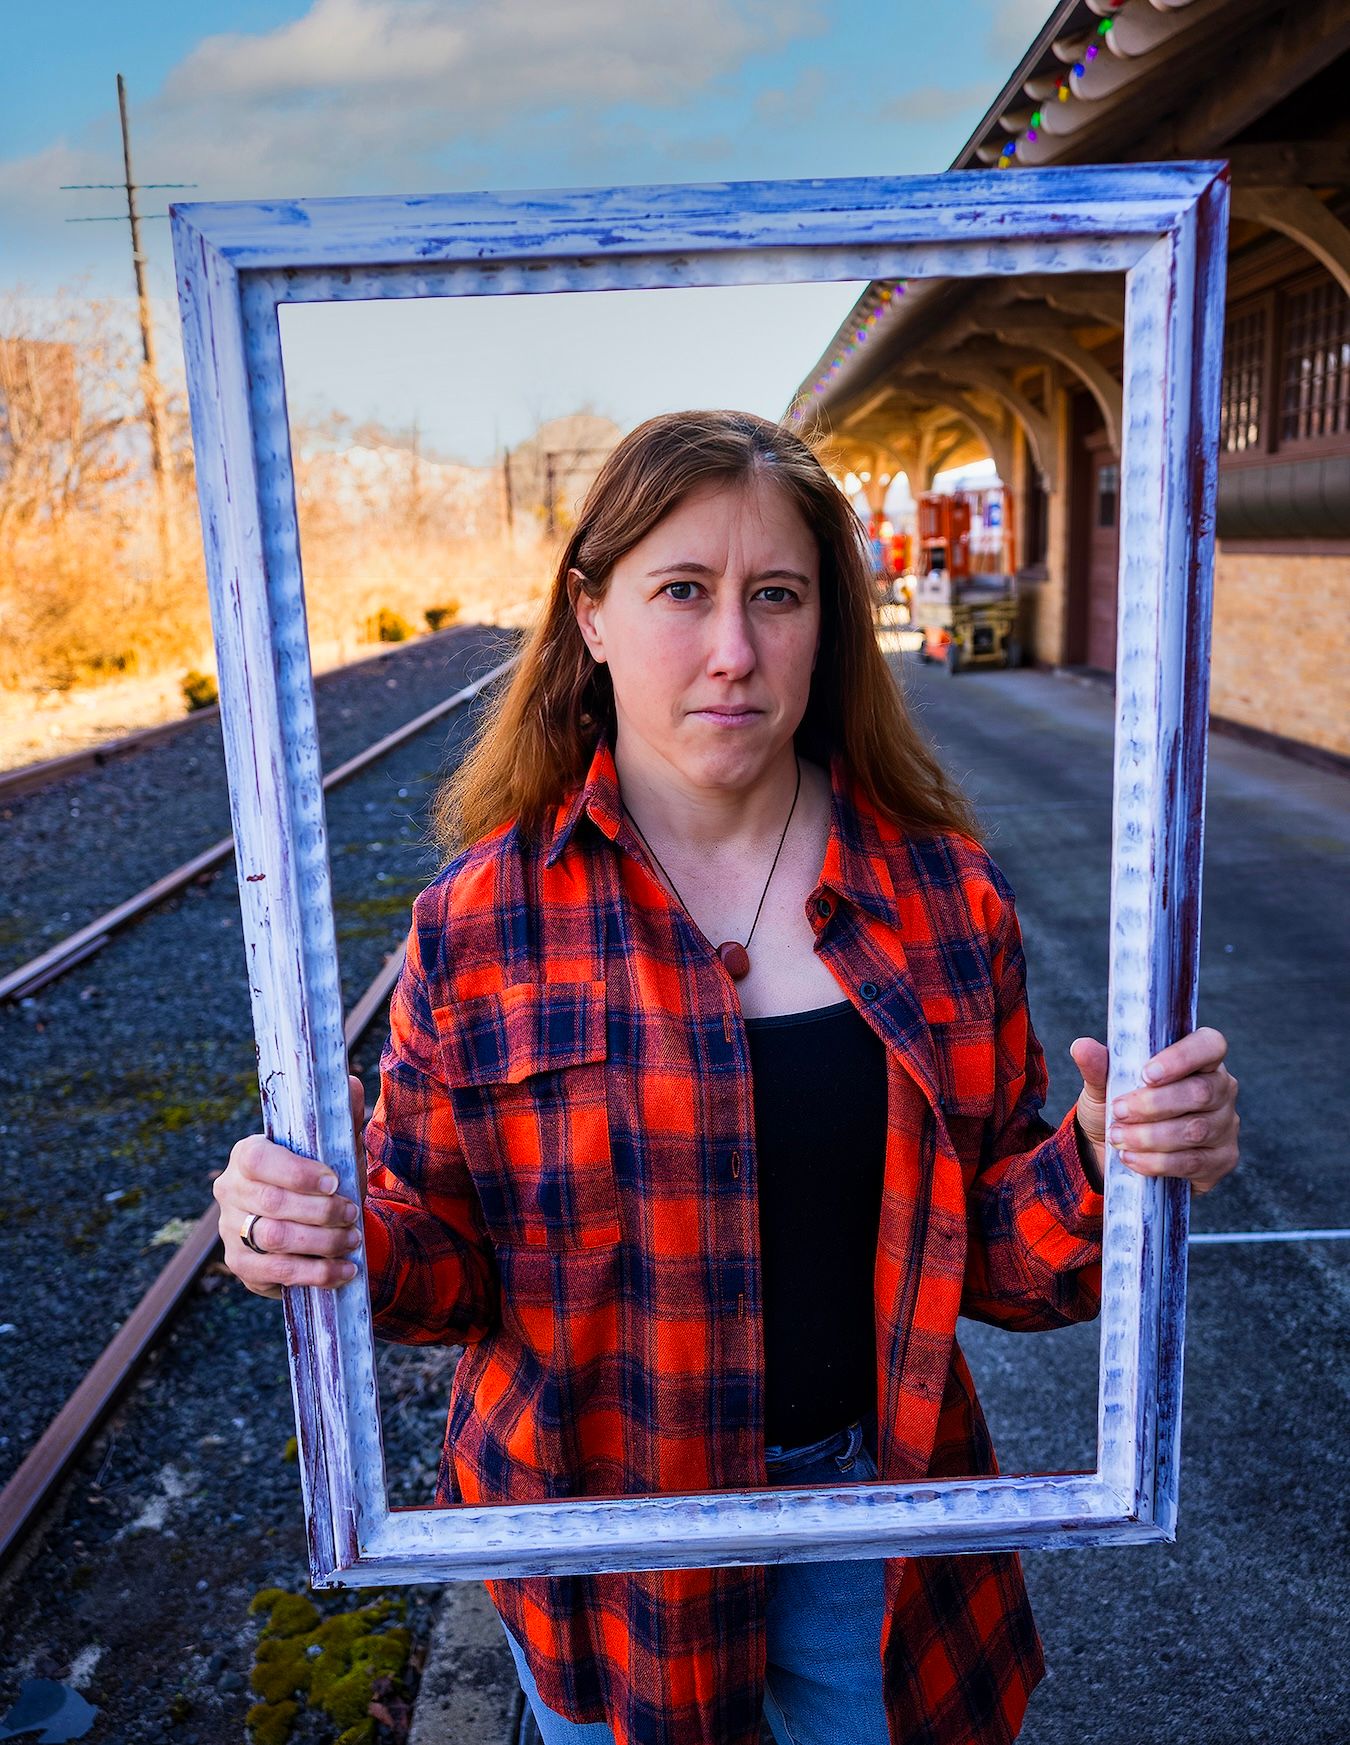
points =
(755, 511)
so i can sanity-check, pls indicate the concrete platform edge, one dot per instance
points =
(469, 1694)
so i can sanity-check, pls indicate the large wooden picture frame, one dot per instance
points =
(1164, 227)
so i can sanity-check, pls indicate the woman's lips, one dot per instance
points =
(729, 717)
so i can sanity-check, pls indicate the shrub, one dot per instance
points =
(438, 617)
(391, 626)
(102, 666)
(199, 690)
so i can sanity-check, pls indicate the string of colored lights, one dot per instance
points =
(887, 296)
(1063, 89)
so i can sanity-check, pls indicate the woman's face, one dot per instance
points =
(710, 628)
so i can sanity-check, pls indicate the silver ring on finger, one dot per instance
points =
(246, 1235)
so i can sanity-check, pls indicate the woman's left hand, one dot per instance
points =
(1182, 1121)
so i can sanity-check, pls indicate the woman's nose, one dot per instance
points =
(731, 653)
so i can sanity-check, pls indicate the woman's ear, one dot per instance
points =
(585, 609)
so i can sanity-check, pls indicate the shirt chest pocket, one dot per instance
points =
(526, 1070)
(966, 1065)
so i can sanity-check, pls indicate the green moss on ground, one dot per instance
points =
(271, 1723)
(369, 917)
(331, 1663)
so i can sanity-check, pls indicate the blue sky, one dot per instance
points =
(264, 98)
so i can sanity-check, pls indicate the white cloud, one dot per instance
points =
(797, 101)
(475, 58)
(362, 96)
(941, 103)
(1012, 31)
(353, 44)
(354, 78)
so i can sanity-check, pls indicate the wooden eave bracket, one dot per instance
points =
(1298, 213)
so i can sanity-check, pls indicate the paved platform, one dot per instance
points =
(469, 1694)
(1236, 1633)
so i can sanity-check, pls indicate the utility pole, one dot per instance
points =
(508, 495)
(151, 390)
(150, 383)
(416, 515)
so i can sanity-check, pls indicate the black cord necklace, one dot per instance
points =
(734, 955)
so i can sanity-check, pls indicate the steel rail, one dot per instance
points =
(86, 940)
(109, 1375)
(30, 777)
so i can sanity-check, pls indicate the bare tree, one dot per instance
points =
(66, 413)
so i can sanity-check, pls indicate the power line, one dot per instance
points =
(151, 388)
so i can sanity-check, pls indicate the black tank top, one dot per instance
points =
(820, 1127)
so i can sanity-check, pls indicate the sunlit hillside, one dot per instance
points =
(103, 600)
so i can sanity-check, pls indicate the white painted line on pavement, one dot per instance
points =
(1271, 1236)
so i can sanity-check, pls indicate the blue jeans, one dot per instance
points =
(823, 1622)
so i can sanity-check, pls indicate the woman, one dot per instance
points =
(710, 1097)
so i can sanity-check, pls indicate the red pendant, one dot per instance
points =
(736, 958)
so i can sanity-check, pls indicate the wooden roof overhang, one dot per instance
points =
(950, 368)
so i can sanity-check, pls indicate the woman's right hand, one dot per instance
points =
(306, 1228)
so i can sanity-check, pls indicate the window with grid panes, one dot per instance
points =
(1243, 389)
(1315, 364)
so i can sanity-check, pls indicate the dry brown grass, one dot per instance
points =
(85, 597)
(100, 623)
(84, 602)
(90, 648)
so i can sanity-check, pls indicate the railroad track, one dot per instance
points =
(31, 778)
(28, 1491)
(76, 947)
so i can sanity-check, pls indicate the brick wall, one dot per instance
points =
(1281, 653)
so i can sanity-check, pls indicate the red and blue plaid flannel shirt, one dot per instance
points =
(562, 1178)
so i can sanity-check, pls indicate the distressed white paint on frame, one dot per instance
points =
(1165, 227)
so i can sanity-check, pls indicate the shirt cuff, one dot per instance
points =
(1062, 1225)
(1081, 1203)
(377, 1245)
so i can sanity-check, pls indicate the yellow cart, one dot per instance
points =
(968, 622)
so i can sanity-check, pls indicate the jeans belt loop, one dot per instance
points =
(846, 1460)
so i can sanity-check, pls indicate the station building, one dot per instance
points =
(934, 374)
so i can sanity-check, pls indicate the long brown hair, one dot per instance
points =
(538, 736)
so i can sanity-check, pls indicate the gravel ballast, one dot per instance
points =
(122, 1088)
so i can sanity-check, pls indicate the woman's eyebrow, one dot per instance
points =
(689, 567)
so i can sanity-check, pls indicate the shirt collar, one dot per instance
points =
(855, 865)
(597, 797)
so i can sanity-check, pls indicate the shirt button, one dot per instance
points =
(736, 1163)
(869, 990)
(823, 908)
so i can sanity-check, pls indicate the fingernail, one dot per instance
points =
(347, 1269)
(1119, 1109)
(1152, 1072)
(352, 1239)
(328, 1184)
(349, 1213)
(1115, 1134)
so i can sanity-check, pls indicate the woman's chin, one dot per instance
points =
(740, 759)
